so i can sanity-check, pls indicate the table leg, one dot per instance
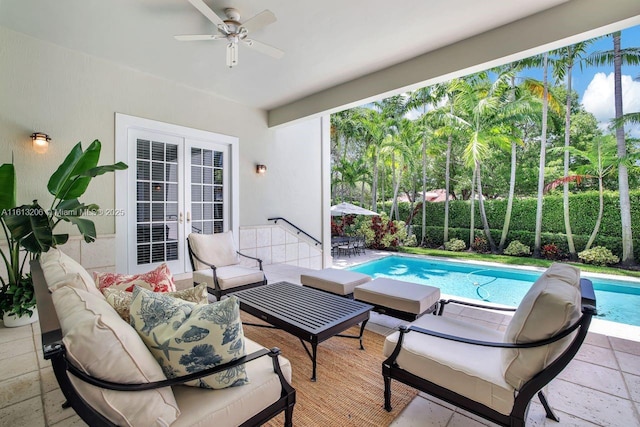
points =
(362, 332)
(314, 349)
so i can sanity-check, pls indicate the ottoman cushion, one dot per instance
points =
(403, 296)
(340, 282)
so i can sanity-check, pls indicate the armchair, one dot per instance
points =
(216, 262)
(491, 373)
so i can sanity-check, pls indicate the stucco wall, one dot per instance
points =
(74, 97)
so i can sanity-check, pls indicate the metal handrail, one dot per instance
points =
(276, 219)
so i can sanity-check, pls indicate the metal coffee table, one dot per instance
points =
(308, 314)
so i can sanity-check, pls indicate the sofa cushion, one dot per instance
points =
(229, 277)
(232, 406)
(550, 306)
(121, 300)
(159, 279)
(218, 249)
(186, 337)
(61, 270)
(101, 344)
(470, 370)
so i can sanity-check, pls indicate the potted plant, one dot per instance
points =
(17, 299)
(31, 227)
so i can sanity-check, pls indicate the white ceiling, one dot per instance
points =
(326, 42)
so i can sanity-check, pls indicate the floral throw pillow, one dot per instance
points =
(158, 280)
(185, 337)
(121, 300)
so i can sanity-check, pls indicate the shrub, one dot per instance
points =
(480, 244)
(598, 255)
(382, 233)
(455, 245)
(516, 248)
(550, 251)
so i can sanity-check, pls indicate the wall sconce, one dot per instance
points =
(40, 142)
(261, 169)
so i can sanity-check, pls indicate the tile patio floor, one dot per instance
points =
(601, 386)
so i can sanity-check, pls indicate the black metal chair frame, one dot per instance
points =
(218, 292)
(518, 415)
(54, 350)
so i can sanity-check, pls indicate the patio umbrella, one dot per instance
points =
(349, 209)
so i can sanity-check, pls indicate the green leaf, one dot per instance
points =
(7, 186)
(60, 239)
(99, 170)
(86, 227)
(69, 181)
(29, 225)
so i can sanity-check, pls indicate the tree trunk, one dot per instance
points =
(565, 187)
(596, 227)
(472, 221)
(623, 177)
(483, 214)
(512, 186)
(543, 150)
(374, 184)
(447, 177)
(424, 190)
(393, 185)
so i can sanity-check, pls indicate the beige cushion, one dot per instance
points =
(341, 282)
(218, 249)
(229, 277)
(472, 371)
(403, 296)
(61, 270)
(231, 406)
(185, 337)
(100, 343)
(550, 306)
(120, 300)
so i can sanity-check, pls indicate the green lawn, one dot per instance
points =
(512, 260)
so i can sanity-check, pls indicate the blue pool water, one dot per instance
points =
(618, 301)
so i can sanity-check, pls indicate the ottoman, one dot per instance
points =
(339, 282)
(403, 300)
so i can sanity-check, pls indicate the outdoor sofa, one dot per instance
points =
(109, 377)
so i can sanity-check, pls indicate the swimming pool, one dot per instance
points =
(618, 301)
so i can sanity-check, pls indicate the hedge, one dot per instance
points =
(583, 212)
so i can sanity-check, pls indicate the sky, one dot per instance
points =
(594, 85)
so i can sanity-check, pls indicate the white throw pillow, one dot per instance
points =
(61, 270)
(186, 337)
(103, 345)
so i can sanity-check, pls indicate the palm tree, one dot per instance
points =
(600, 162)
(617, 57)
(569, 57)
(374, 132)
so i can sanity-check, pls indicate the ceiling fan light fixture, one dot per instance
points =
(232, 55)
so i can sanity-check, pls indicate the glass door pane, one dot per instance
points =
(208, 195)
(157, 202)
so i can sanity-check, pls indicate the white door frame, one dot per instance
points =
(123, 124)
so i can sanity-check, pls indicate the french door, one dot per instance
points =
(177, 186)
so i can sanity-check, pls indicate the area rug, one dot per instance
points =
(349, 390)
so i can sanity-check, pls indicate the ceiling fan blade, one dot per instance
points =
(264, 48)
(262, 19)
(209, 14)
(195, 37)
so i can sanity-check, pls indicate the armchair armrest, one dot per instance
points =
(193, 254)
(273, 353)
(443, 302)
(250, 257)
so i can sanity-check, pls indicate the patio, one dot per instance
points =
(600, 387)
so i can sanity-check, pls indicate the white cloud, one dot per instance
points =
(598, 98)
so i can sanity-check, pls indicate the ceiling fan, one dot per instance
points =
(233, 31)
